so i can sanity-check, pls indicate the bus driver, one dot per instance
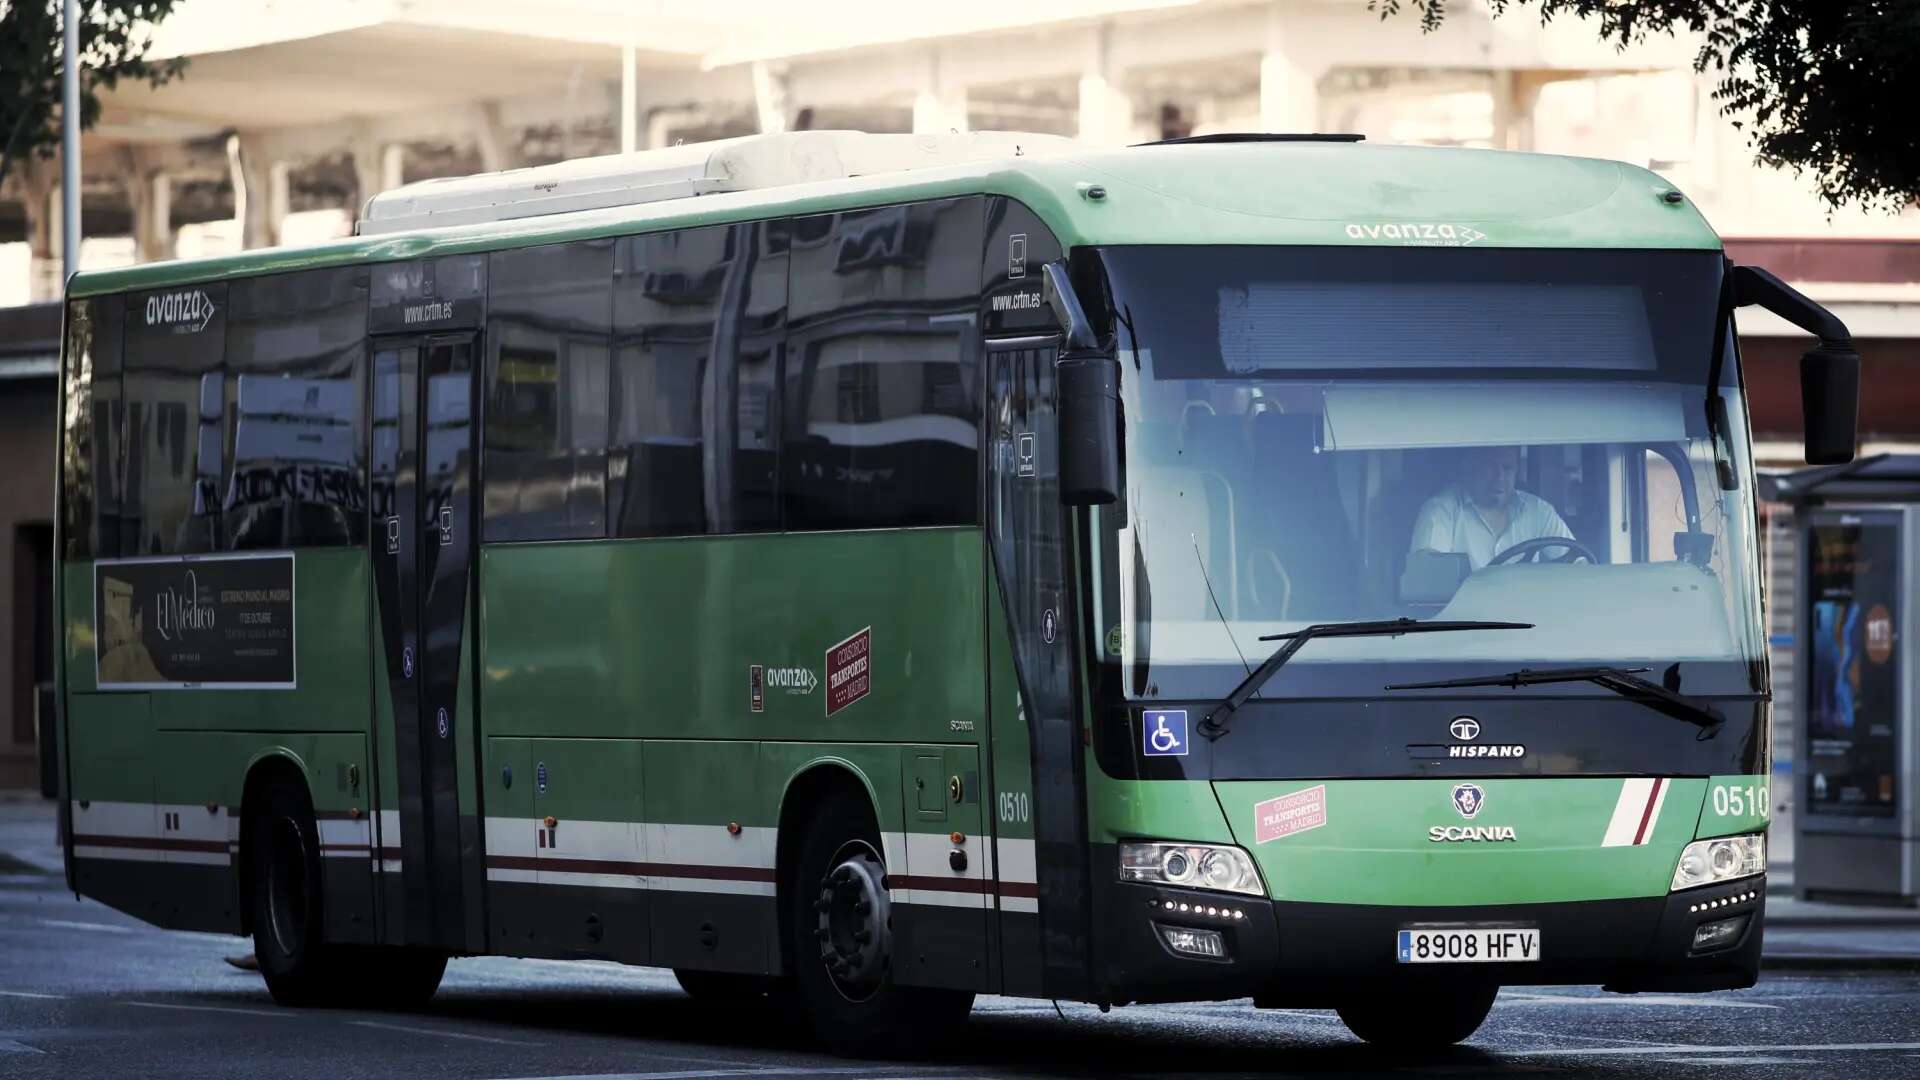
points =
(1482, 514)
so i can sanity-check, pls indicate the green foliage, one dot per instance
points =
(114, 35)
(1827, 87)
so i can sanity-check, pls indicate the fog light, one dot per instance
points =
(1203, 943)
(1720, 934)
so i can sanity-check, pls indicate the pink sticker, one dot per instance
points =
(849, 670)
(1289, 814)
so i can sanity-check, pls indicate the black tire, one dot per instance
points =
(284, 898)
(722, 987)
(857, 1009)
(1426, 1022)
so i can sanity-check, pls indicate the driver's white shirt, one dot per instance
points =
(1449, 522)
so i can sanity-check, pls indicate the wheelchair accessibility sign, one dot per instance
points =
(1163, 733)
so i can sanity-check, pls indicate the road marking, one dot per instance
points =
(1683, 1001)
(1589, 1038)
(1605, 1051)
(8, 1046)
(25, 994)
(104, 927)
(761, 1071)
(442, 1034)
(210, 1008)
(1751, 1060)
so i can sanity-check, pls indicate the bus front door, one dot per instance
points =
(422, 550)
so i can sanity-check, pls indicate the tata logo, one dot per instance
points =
(1464, 728)
(1468, 799)
(1471, 834)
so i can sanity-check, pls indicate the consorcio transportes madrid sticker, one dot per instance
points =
(1289, 814)
(849, 670)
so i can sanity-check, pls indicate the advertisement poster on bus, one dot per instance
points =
(1853, 679)
(194, 622)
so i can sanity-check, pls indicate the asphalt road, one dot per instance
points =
(87, 992)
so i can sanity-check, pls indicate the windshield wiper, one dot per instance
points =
(1215, 723)
(1622, 681)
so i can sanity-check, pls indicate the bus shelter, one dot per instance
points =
(1857, 825)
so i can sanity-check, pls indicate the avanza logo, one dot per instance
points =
(1417, 233)
(185, 312)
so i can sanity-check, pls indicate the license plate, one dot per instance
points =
(1475, 945)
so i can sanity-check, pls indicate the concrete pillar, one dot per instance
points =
(497, 145)
(40, 202)
(253, 193)
(393, 159)
(150, 194)
(1289, 82)
(770, 96)
(368, 171)
(1516, 93)
(629, 108)
(1106, 110)
(938, 106)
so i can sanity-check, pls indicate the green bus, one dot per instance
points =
(880, 570)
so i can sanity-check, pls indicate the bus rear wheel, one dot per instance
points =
(843, 959)
(1427, 1021)
(284, 898)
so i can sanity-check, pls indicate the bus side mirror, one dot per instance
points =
(1829, 375)
(1830, 404)
(1087, 381)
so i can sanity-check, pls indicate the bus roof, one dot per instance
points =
(1295, 192)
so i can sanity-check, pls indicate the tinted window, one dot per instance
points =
(1018, 245)
(882, 384)
(296, 474)
(699, 315)
(91, 414)
(548, 327)
(173, 389)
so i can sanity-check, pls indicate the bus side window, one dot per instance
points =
(882, 380)
(549, 328)
(175, 340)
(91, 414)
(295, 469)
(698, 317)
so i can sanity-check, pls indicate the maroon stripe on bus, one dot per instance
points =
(936, 884)
(637, 869)
(1028, 889)
(149, 843)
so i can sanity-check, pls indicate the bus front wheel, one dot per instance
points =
(843, 956)
(1428, 1021)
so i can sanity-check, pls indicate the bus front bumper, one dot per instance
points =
(1312, 955)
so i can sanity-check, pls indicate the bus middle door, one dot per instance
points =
(423, 540)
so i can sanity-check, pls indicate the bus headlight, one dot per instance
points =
(1706, 862)
(1190, 866)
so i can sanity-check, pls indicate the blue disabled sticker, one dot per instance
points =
(1163, 733)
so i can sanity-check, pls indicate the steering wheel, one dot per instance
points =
(1575, 551)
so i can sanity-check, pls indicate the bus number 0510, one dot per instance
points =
(1732, 800)
(1015, 806)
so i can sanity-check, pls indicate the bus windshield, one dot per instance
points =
(1321, 435)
